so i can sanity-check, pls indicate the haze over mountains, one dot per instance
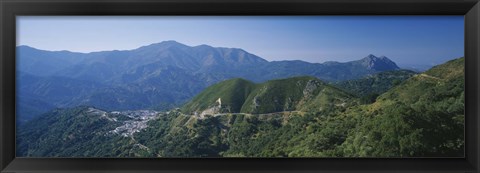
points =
(158, 76)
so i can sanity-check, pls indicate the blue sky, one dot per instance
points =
(426, 40)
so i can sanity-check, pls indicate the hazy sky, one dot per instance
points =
(404, 39)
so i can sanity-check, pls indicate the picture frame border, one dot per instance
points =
(9, 9)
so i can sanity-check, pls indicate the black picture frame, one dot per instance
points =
(11, 8)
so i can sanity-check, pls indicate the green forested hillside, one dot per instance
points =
(371, 86)
(422, 116)
(232, 92)
(292, 94)
(77, 132)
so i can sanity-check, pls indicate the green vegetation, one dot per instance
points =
(293, 94)
(375, 84)
(71, 133)
(307, 94)
(232, 92)
(422, 116)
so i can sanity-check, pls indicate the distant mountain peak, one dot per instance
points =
(164, 44)
(371, 56)
(383, 57)
(170, 42)
(25, 46)
(381, 63)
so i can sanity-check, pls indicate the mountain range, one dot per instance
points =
(158, 76)
(421, 115)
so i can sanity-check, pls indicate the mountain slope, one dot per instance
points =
(375, 83)
(160, 76)
(420, 117)
(382, 63)
(328, 71)
(423, 116)
(446, 80)
(297, 93)
(66, 133)
(113, 65)
(45, 63)
(84, 132)
(231, 94)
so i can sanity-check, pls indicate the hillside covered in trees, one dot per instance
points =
(418, 115)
